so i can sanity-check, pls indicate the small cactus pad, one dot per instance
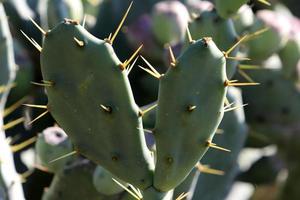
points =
(51, 144)
(170, 20)
(264, 45)
(228, 8)
(75, 182)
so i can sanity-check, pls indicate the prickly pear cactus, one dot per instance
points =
(196, 7)
(56, 10)
(228, 8)
(273, 84)
(89, 100)
(104, 183)
(244, 19)
(90, 97)
(276, 120)
(170, 20)
(234, 134)
(51, 144)
(290, 53)
(10, 184)
(194, 115)
(209, 24)
(74, 182)
(264, 45)
(8, 67)
(188, 186)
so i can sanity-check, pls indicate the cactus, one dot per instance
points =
(10, 180)
(188, 186)
(292, 159)
(57, 10)
(157, 153)
(153, 194)
(244, 19)
(275, 85)
(149, 123)
(19, 14)
(8, 67)
(228, 8)
(233, 137)
(196, 7)
(113, 104)
(264, 45)
(256, 173)
(276, 120)
(290, 53)
(50, 145)
(209, 24)
(200, 110)
(75, 182)
(170, 19)
(104, 183)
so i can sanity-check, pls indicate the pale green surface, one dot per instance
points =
(228, 8)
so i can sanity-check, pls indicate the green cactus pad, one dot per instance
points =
(266, 44)
(92, 101)
(57, 10)
(277, 111)
(290, 57)
(190, 108)
(233, 137)
(228, 8)
(51, 144)
(75, 182)
(170, 20)
(222, 31)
